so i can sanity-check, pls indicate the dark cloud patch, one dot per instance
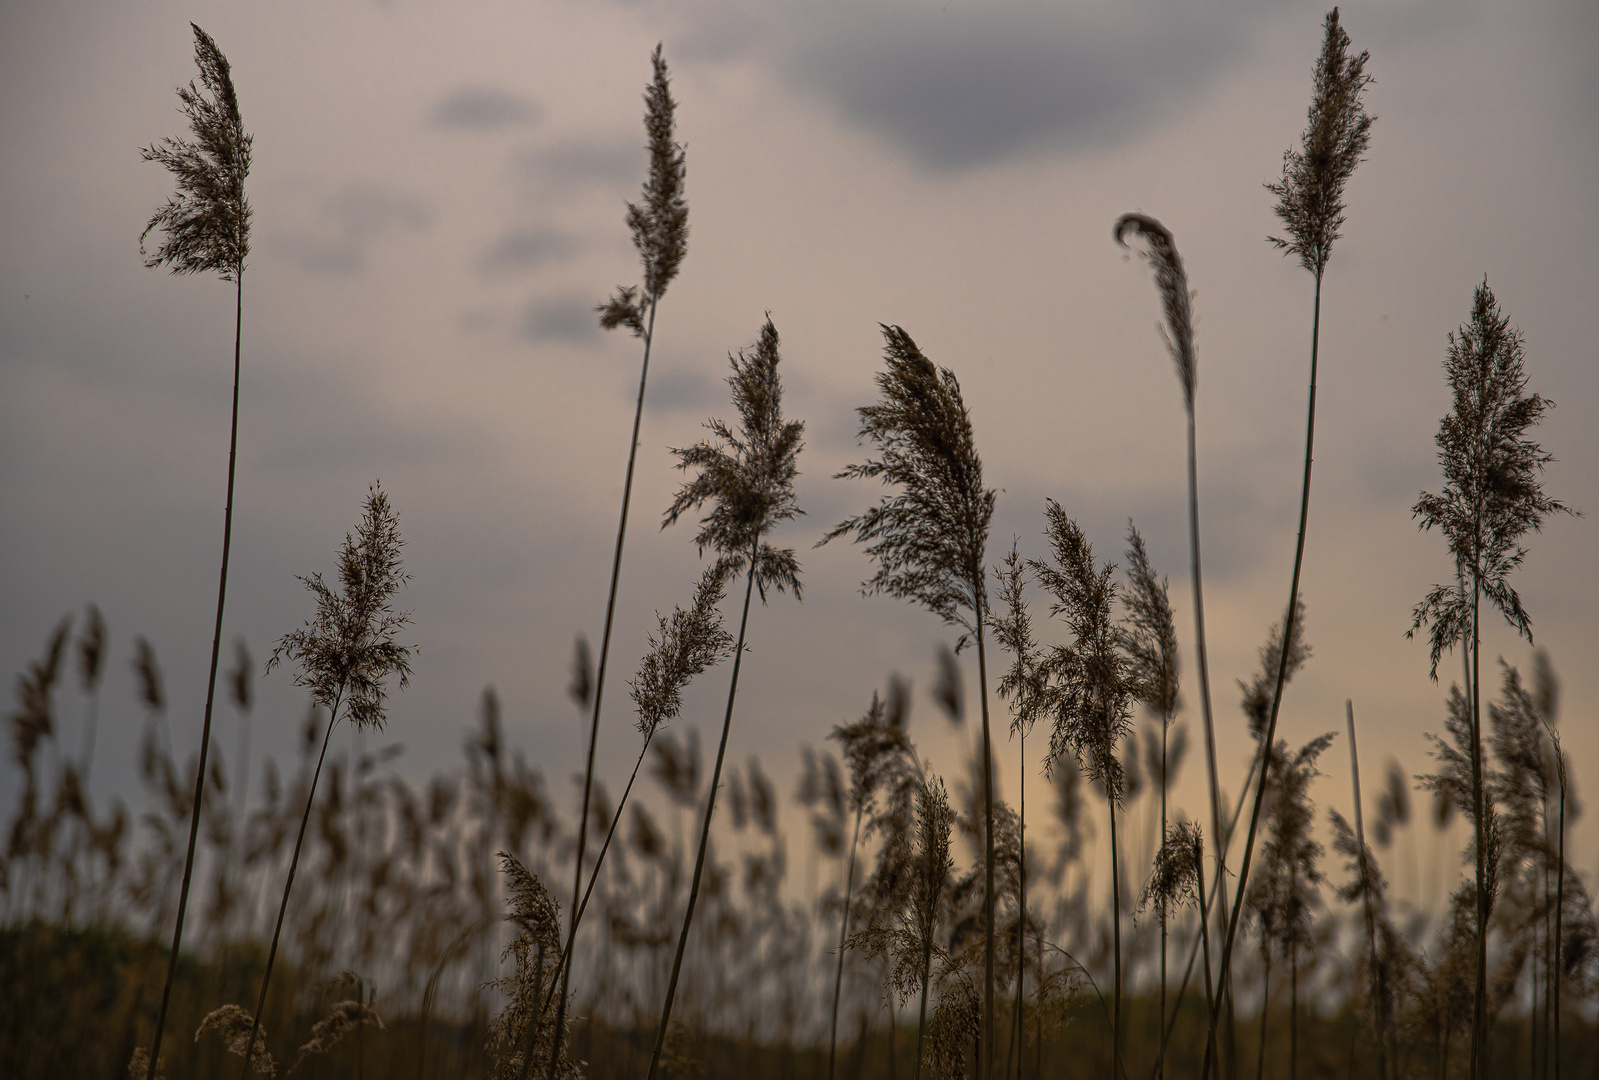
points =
(528, 249)
(480, 109)
(569, 319)
(585, 163)
(958, 86)
(355, 218)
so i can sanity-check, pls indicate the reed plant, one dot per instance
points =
(1151, 647)
(748, 478)
(206, 228)
(929, 541)
(343, 655)
(1310, 204)
(1089, 696)
(1492, 496)
(659, 223)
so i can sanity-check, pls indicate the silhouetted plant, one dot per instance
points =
(929, 541)
(683, 646)
(1284, 895)
(1178, 878)
(1310, 202)
(660, 233)
(1491, 497)
(206, 226)
(1025, 686)
(1150, 641)
(91, 669)
(876, 751)
(520, 1033)
(343, 655)
(1090, 693)
(748, 477)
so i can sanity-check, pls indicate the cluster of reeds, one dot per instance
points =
(705, 958)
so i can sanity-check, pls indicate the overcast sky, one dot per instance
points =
(439, 193)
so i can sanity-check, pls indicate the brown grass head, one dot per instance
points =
(1171, 280)
(207, 222)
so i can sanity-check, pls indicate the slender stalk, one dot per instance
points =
(1210, 995)
(1160, 1060)
(1293, 1014)
(1265, 1002)
(1379, 1024)
(705, 829)
(843, 932)
(283, 906)
(599, 693)
(921, 1016)
(1193, 951)
(1116, 940)
(1479, 1004)
(210, 686)
(1560, 906)
(1021, 923)
(1282, 663)
(985, 1057)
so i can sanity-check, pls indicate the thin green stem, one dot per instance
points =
(1289, 632)
(843, 931)
(1379, 1025)
(985, 1049)
(705, 829)
(211, 684)
(1116, 943)
(599, 693)
(288, 886)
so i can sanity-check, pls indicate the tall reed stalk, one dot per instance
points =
(748, 477)
(929, 541)
(343, 655)
(660, 233)
(1150, 641)
(1379, 1015)
(1171, 281)
(206, 227)
(1090, 694)
(1492, 496)
(1310, 202)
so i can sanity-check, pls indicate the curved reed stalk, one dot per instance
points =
(1310, 204)
(207, 227)
(660, 233)
(343, 655)
(929, 542)
(748, 476)
(1492, 496)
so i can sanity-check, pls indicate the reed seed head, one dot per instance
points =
(747, 476)
(1310, 194)
(1176, 298)
(348, 648)
(928, 539)
(683, 646)
(207, 221)
(1492, 492)
(234, 1024)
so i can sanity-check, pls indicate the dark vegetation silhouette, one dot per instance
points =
(206, 228)
(933, 933)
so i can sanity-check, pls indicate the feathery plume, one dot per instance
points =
(930, 538)
(207, 222)
(748, 478)
(235, 1025)
(1310, 195)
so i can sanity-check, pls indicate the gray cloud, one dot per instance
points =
(961, 86)
(582, 163)
(479, 109)
(528, 249)
(356, 216)
(570, 319)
